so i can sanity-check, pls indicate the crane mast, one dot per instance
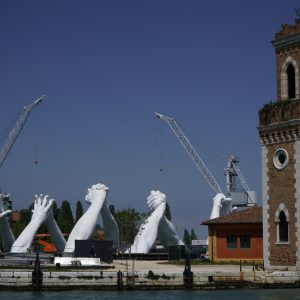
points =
(191, 152)
(17, 129)
(246, 197)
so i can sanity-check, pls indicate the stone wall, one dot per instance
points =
(138, 280)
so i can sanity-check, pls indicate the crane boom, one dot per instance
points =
(17, 129)
(191, 152)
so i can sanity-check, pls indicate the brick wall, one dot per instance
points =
(281, 189)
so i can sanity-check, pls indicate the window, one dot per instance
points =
(231, 242)
(289, 79)
(245, 241)
(280, 159)
(283, 228)
(290, 71)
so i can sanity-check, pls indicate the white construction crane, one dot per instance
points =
(14, 133)
(17, 129)
(240, 196)
(221, 204)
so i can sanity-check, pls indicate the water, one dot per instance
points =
(245, 294)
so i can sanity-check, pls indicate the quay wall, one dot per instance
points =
(63, 280)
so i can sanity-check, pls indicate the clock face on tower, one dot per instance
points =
(280, 159)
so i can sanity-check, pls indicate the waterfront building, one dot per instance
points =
(236, 236)
(279, 132)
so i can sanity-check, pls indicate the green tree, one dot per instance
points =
(168, 212)
(193, 235)
(65, 219)
(79, 211)
(187, 237)
(128, 221)
(56, 210)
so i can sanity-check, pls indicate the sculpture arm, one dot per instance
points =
(55, 232)
(111, 229)
(217, 205)
(41, 209)
(7, 236)
(167, 234)
(86, 224)
(148, 231)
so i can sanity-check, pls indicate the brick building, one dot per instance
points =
(279, 132)
(236, 236)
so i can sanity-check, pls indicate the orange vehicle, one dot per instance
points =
(47, 246)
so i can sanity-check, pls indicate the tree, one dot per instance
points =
(65, 219)
(193, 235)
(128, 221)
(79, 211)
(187, 237)
(56, 210)
(168, 212)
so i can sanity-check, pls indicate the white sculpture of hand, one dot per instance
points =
(147, 233)
(167, 234)
(110, 226)
(86, 224)
(55, 232)
(41, 209)
(155, 199)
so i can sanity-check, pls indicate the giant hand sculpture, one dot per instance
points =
(221, 206)
(41, 209)
(110, 226)
(167, 234)
(55, 232)
(6, 233)
(86, 224)
(148, 231)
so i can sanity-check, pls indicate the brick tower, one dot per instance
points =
(279, 131)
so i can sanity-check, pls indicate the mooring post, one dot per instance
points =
(37, 274)
(188, 274)
(120, 280)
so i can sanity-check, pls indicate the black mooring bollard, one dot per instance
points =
(37, 274)
(188, 275)
(120, 280)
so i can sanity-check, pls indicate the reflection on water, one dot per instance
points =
(245, 294)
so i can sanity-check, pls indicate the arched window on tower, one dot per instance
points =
(283, 228)
(289, 79)
(290, 71)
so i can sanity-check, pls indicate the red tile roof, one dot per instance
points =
(248, 215)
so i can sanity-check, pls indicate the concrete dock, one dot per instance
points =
(148, 275)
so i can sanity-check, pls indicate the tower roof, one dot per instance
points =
(288, 35)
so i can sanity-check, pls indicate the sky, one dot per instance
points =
(105, 67)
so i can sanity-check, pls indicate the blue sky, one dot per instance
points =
(105, 67)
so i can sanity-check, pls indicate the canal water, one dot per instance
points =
(244, 294)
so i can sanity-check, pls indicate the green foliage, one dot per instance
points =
(65, 219)
(128, 221)
(278, 104)
(56, 210)
(193, 235)
(153, 276)
(25, 215)
(187, 237)
(17, 228)
(79, 211)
